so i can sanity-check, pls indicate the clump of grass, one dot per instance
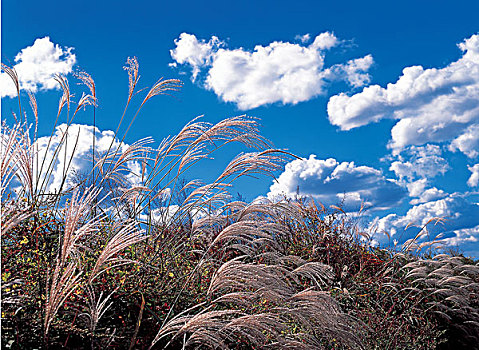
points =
(161, 262)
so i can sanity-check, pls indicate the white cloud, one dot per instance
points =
(356, 71)
(279, 72)
(422, 161)
(467, 142)
(331, 182)
(431, 194)
(431, 105)
(80, 153)
(416, 167)
(324, 41)
(416, 188)
(466, 240)
(303, 38)
(474, 178)
(196, 53)
(461, 228)
(36, 66)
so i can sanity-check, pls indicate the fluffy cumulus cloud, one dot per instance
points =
(467, 142)
(416, 167)
(431, 105)
(428, 195)
(332, 182)
(196, 53)
(466, 240)
(36, 66)
(461, 226)
(78, 149)
(474, 178)
(419, 162)
(279, 72)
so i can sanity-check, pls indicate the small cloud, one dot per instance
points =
(303, 38)
(325, 41)
(356, 71)
(196, 53)
(282, 72)
(419, 162)
(332, 182)
(466, 239)
(429, 195)
(416, 188)
(474, 178)
(415, 167)
(36, 66)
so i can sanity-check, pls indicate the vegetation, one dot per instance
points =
(111, 260)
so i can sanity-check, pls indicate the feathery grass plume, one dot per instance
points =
(66, 275)
(66, 98)
(85, 100)
(116, 174)
(162, 87)
(320, 313)
(114, 165)
(96, 307)
(234, 275)
(241, 129)
(198, 325)
(76, 224)
(64, 281)
(198, 140)
(88, 81)
(12, 215)
(451, 286)
(257, 284)
(412, 244)
(193, 143)
(17, 153)
(10, 149)
(264, 162)
(132, 67)
(12, 295)
(34, 106)
(207, 196)
(12, 73)
(321, 274)
(132, 193)
(125, 237)
(250, 234)
(33, 176)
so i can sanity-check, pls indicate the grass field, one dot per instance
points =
(116, 259)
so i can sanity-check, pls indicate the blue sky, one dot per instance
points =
(379, 98)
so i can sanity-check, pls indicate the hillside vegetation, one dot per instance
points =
(135, 260)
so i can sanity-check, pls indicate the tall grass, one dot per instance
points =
(123, 259)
